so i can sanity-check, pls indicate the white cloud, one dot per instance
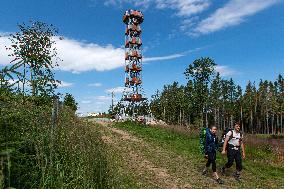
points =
(77, 56)
(4, 41)
(103, 98)
(80, 56)
(64, 84)
(233, 13)
(15, 82)
(86, 101)
(117, 90)
(119, 3)
(97, 103)
(158, 58)
(188, 23)
(173, 56)
(225, 71)
(184, 7)
(95, 85)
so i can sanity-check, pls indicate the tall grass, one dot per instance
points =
(69, 154)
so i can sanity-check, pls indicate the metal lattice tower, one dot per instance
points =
(133, 56)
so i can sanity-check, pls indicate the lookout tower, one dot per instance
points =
(133, 56)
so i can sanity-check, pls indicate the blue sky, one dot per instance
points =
(244, 37)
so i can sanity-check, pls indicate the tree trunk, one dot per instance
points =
(264, 126)
(223, 117)
(218, 119)
(277, 124)
(215, 117)
(259, 125)
(251, 121)
(180, 115)
(206, 118)
(272, 124)
(267, 124)
(202, 119)
(164, 113)
(224, 121)
(281, 122)
(243, 127)
(183, 122)
(255, 108)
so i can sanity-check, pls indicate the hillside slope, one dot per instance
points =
(148, 157)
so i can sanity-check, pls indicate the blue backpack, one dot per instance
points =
(202, 139)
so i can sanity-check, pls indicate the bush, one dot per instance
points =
(69, 154)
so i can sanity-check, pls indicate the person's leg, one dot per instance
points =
(206, 166)
(230, 156)
(213, 161)
(239, 166)
(215, 174)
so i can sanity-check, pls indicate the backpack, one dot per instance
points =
(225, 131)
(202, 139)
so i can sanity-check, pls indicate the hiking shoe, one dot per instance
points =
(220, 181)
(237, 176)
(223, 170)
(204, 172)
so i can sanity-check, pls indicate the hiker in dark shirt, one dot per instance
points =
(211, 145)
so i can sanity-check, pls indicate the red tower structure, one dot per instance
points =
(133, 56)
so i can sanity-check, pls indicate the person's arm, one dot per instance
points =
(217, 143)
(226, 142)
(243, 149)
(225, 145)
(206, 143)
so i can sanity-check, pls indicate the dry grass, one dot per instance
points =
(276, 146)
(270, 143)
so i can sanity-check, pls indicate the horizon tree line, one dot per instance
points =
(208, 99)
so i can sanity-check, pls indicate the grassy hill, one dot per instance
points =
(153, 157)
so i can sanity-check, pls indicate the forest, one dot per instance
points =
(208, 99)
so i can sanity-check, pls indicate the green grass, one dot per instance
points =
(122, 179)
(71, 155)
(259, 167)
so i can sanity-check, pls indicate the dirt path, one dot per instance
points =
(155, 166)
(135, 160)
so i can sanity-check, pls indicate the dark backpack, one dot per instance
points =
(202, 139)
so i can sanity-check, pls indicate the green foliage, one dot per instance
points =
(33, 53)
(201, 72)
(170, 104)
(6, 78)
(71, 155)
(41, 145)
(141, 108)
(209, 99)
(69, 101)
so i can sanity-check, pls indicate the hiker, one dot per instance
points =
(234, 145)
(211, 145)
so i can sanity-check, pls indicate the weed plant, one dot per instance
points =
(37, 154)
